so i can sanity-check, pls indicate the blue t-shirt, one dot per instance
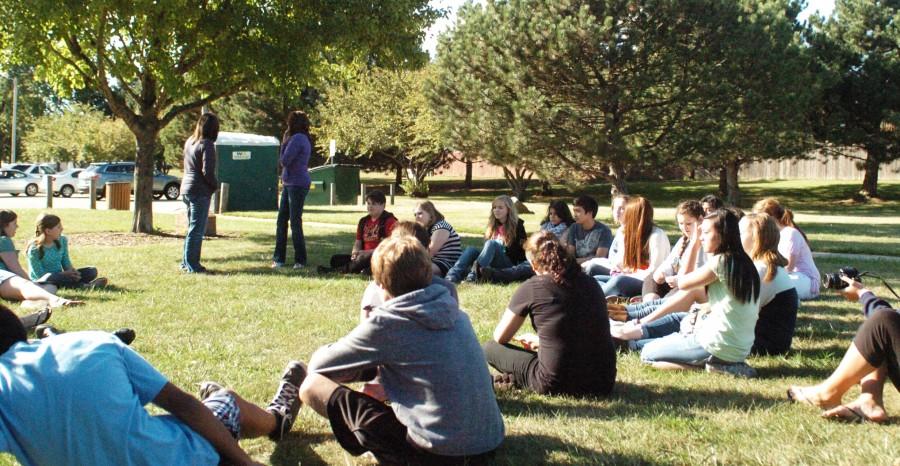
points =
(78, 398)
(6, 245)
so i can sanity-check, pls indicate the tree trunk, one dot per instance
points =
(468, 183)
(723, 182)
(398, 178)
(147, 140)
(617, 180)
(518, 180)
(870, 180)
(733, 196)
(546, 188)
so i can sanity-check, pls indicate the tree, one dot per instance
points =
(575, 89)
(33, 97)
(757, 108)
(856, 50)
(385, 114)
(81, 134)
(154, 60)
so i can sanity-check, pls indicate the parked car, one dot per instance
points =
(64, 183)
(163, 185)
(32, 168)
(17, 182)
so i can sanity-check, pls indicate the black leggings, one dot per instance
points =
(878, 340)
(513, 360)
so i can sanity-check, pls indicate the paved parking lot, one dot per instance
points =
(78, 201)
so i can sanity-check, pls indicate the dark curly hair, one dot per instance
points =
(548, 255)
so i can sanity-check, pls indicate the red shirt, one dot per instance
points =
(369, 233)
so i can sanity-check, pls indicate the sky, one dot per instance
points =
(824, 7)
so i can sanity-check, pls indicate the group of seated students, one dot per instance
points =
(428, 395)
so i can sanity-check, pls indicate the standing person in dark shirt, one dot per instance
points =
(197, 187)
(572, 352)
(873, 357)
(294, 162)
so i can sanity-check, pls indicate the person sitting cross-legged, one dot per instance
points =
(78, 398)
(427, 358)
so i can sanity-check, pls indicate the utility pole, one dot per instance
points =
(15, 111)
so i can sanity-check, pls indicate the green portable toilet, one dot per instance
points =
(346, 184)
(249, 164)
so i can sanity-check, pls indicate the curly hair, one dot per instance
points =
(548, 255)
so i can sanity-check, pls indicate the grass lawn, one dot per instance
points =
(240, 327)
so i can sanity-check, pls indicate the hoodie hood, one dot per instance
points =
(431, 307)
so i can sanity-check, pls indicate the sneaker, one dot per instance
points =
(98, 282)
(286, 403)
(737, 369)
(277, 265)
(208, 387)
(298, 266)
(127, 335)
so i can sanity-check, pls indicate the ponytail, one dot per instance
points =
(784, 216)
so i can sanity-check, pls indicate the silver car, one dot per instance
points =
(65, 183)
(16, 182)
(163, 185)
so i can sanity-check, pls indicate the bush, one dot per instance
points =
(414, 189)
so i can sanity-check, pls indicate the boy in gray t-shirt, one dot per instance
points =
(587, 238)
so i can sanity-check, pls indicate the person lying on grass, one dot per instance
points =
(442, 407)
(15, 283)
(873, 357)
(78, 398)
(572, 352)
(370, 231)
(48, 257)
(723, 335)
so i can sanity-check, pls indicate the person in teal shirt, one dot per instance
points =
(48, 257)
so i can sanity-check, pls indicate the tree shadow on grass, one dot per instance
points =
(631, 400)
(296, 448)
(528, 449)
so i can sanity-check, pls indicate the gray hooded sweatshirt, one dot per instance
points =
(432, 369)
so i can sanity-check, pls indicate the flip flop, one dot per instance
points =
(796, 395)
(33, 320)
(853, 416)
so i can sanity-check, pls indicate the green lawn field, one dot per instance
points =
(243, 324)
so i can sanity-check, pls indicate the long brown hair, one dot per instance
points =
(297, 122)
(779, 213)
(435, 215)
(511, 224)
(550, 256)
(44, 222)
(637, 222)
(688, 208)
(207, 128)
(764, 232)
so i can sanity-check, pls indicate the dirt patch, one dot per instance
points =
(113, 238)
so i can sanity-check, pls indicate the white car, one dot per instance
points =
(32, 168)
(16, 182)
(65, 183)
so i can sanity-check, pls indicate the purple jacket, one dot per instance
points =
(294, 161)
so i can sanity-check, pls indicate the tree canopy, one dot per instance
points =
(81, 134)
(153, 60)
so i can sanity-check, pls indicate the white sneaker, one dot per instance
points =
(277, 265)
(298, 266)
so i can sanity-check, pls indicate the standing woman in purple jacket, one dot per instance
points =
(197, 187)
(294, 162)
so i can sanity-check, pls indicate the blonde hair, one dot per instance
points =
(765, 236)
(509, 227)
(401, 265)
(428, 206)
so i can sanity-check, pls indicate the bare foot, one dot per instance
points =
(674, 366)
(812, 396)
(864, 408)
(63, 302)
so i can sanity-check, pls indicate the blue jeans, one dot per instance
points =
(290, 208)
(492, 254)
(641, 310)
(623, 285)
(665, 325)
(198, 213)
(88, 274)
(676, 348)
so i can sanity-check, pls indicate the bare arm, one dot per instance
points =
(509, 324)
(438, 239)
(11, 260)
(602, 252)
(357, 246)
(191, 411)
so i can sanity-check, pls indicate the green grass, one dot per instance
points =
(240, 328)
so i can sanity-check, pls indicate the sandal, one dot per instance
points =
(852, 416)
(796, 395)
(33, 320)
(63, 302)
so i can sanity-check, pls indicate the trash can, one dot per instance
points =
(346, 184)
(118, 195)
(249, 164)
